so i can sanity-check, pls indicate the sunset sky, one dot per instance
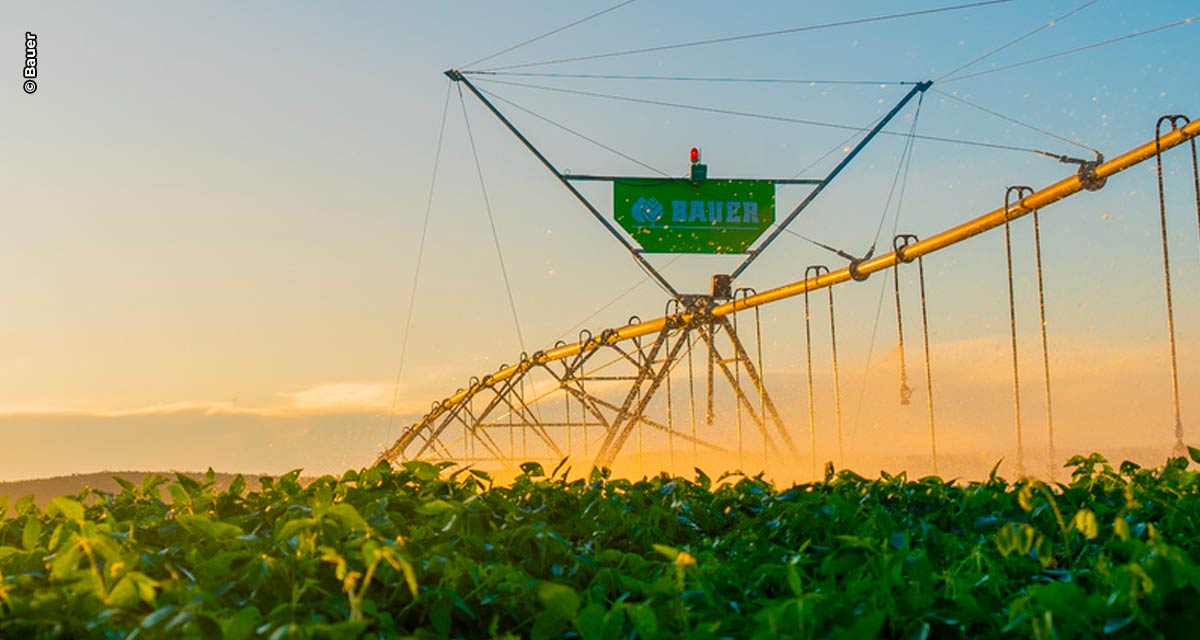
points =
(212, 213)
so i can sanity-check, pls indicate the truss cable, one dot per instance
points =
(617, 299)
(749, 36)
(1075, 50)
(1016, 40)
(550, 33)
(491, 221)
(577, 134)
(841, 145)
(904, 155)
(1021, 192)
(1174, 121)
(1037, 253)
(606, 76)
(1018, 122)
(768, 117)
(412, 293)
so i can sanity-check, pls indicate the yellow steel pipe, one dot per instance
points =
(1036, 200)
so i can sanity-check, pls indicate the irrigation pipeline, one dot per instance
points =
(1088, 176)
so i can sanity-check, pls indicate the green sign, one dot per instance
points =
(676, 215)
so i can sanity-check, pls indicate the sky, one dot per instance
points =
(212, 214)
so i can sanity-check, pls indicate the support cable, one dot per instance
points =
(606, 76)
(492, 222)
(1020, 192)
(412, 292)
(1071, 51)
(550, 33)
(1018, 122)
(839, 146)
(617, 299)
(576, 133)
(1175, 121)
(749, 36)
(1016, 40)
(768, 117)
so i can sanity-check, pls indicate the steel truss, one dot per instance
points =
(591, 404)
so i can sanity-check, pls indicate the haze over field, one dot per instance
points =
(210, 230)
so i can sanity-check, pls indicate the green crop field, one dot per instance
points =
(436, 552)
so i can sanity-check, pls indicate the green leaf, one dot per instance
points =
(207, 527)
(1121, 527)
(560, 599)
(533, 469)
(242, 625)
(1085, 522)
(1025, 496)
(31, 534)
(1194, 453)
(68, 508)
(865, 626)
(590, 622)
(645, 623)
(131, 589)
(670, 553)
(348, 517)
(437, 507)
(237, 486)
(1016, 537)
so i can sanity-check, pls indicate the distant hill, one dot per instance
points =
(43, 489)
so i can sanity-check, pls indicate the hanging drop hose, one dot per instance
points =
(737, 377)
(928, 368)
(899, 244)
(814, 271)
(1020, 192)
(1176, 121)
(670, 408)
(837, 387)
(1037, 252)
(762, 392)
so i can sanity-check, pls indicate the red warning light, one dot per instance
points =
(695, 155)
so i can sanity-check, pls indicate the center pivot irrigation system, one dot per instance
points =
(639, 381)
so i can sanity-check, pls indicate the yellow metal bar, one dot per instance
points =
(1037, 200)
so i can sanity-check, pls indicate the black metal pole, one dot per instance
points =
(920, 87)
(454, 75)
